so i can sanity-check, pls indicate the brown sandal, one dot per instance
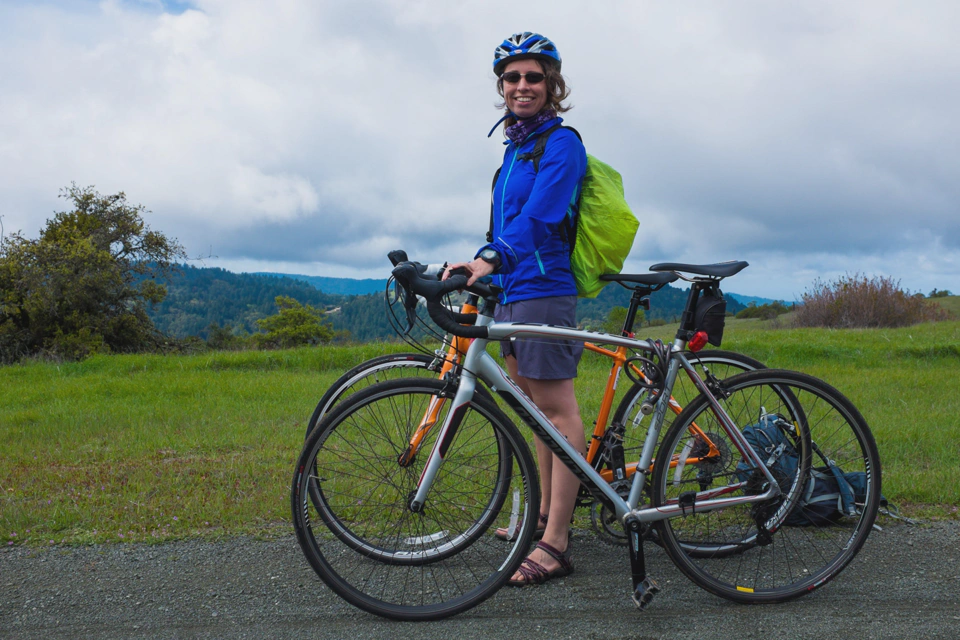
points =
(532, 572)
(504, 534)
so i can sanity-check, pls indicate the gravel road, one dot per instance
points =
(905, 583)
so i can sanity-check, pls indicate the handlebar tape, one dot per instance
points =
(464, 318)
(444, 319)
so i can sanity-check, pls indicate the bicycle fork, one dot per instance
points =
(448, 430)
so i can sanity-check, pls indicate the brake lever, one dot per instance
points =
(409, 301)
(410, 306)
(397, 256)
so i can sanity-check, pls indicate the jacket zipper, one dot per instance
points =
(503, 193)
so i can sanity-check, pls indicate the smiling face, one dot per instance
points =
(523, 99)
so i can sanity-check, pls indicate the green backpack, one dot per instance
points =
(600, 230)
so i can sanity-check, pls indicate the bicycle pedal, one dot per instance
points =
(644, 592)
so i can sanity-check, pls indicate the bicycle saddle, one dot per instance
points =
(717, 270)
(648, 279)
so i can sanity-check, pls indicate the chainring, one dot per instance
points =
(605, 522)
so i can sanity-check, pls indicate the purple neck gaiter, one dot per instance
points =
(518, 132)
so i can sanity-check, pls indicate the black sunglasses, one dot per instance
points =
(513, 77)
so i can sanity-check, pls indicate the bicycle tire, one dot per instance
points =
(781, 508)
(369, 372)
(373, 371)
(796, 559)
(630, 419)
(409, 566)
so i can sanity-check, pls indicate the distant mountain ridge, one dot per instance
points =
(338, 286)
(200, 298)
(746, 300)
(354, 287)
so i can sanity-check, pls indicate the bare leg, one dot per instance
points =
(544, 455)
(557, 401)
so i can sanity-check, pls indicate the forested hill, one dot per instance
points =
(199, 297)
(340, 286)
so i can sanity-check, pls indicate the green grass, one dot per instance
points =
(157, 447)
(153, 448)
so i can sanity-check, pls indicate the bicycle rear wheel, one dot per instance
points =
(727, 551)
(358, 532)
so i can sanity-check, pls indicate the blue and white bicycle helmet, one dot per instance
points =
(525, 45)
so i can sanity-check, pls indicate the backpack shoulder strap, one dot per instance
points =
(538, 147)
(847, 497)
(496, 176)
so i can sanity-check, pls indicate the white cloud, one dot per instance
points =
(812, 139)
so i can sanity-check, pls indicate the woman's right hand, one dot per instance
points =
(477, 269)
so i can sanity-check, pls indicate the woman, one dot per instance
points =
(530, 258)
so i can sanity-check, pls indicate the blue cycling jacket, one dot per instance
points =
(528, 210)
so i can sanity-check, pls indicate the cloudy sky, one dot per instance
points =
(813, 139)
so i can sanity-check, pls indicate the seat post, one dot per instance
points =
(688, 319)
(636, 301)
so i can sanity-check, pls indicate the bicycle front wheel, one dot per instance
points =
(760, 553)
(358, 532)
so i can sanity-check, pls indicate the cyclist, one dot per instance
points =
(529, 258)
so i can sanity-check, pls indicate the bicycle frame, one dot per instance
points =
(457, 350)
(478, 364)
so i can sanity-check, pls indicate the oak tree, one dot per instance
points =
(84, 285)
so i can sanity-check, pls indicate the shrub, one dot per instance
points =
(860, 302)
(224, 338)
(616, 318)
(293, 326)
(767, 311)
(942, 293)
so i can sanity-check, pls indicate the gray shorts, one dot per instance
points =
(542, 358)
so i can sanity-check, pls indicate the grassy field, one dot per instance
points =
(951, 304)
(153, 448)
